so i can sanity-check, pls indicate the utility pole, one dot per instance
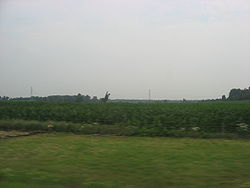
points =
(31, 92)
(149, 95)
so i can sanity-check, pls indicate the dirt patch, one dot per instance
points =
(12, 134)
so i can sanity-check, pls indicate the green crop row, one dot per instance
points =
(153, 118)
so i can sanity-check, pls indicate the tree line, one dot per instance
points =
(239, 94)
(234, 95)
(60, 98)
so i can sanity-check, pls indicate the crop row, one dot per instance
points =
(206, 117)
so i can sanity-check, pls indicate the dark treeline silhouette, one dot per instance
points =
(4, 98)
(106, 98)
(234, 95)
(60, 98)
(239, 94)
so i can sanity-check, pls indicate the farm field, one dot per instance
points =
(66, 160)
(124, 94)
(213, 119)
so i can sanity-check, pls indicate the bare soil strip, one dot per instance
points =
(13, 134)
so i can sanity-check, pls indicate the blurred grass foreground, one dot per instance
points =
(60, 160)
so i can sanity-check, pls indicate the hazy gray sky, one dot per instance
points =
(191, 49)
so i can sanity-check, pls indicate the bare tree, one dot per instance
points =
(106, 97)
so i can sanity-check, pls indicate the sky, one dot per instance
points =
(192, 49)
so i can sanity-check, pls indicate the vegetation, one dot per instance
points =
(234, 95)
(56, 98)
(239, 94)
(106, 97)
(60, 98)
(66, 160)
(4, 98)
(222, 119)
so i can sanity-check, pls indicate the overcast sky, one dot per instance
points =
(193, 49)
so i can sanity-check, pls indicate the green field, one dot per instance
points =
(214, 119)
(68, 160)
(60, 159)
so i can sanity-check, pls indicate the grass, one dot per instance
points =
(68, 160)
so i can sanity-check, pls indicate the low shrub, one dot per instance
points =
(122, 130)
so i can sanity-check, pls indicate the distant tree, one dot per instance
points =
(4, 98)
(235, 94)
(57, 98)
(86, 98)
(94, 99)
(223, 97)
(79, 97)
(239, 94)
(106, 97)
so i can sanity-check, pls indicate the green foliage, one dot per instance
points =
(239, 94)
(144, 119)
